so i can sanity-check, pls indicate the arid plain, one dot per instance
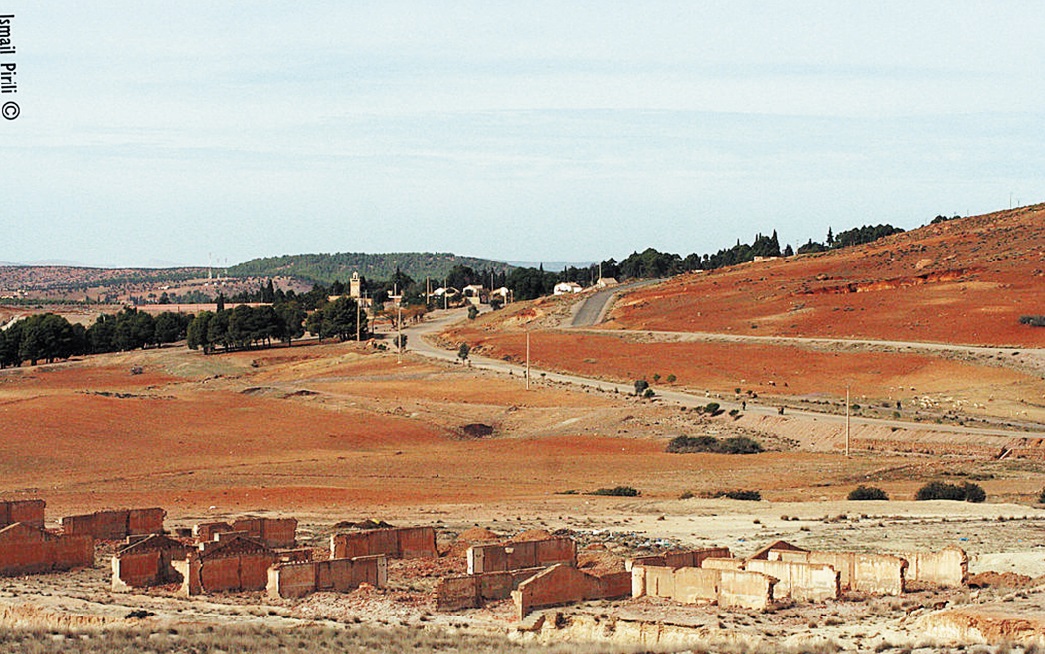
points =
(923, 328)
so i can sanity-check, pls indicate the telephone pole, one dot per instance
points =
(527, 360)
(847, 420)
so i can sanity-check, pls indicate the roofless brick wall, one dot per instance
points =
(397, 543)
(30, 512)
(520, 555)
(25, 549)
(116, 525)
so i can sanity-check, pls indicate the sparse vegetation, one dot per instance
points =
(732, 445)
(641, 386)
(745, 495)
(1033, 321)
(617, 491)
(867, 493)
(939, 490)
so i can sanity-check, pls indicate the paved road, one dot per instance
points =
(592, 310)
(439, 320)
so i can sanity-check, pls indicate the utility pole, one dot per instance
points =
(399, 326)
(359, 301)
(527, 360)
(847, 420)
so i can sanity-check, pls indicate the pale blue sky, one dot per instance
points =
(160, 132)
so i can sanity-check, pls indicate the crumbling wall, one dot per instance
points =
(30, 512)
(722, 564)
(473, 591)
(206, 531)
(948, 567)
(804, 582)
(236, 564)
(289, 580)
(741, 589)
(727, 588)
(397, 543)
(877, 574)
(679, 559)
(116, 525)
(25, 549)
(521, 555)
(563, 584)
(143, 562)
(274, 532)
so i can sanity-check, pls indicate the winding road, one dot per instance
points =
(439, 320)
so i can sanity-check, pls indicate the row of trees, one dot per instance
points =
(247, 327)
(49, 337)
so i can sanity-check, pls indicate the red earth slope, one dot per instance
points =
(964, 281)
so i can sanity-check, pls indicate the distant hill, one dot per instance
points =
(58, 277)
(965, 280)
(325, 268)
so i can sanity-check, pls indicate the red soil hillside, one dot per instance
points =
(964, 281)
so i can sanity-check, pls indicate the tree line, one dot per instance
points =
(48, 337)
(247, 327)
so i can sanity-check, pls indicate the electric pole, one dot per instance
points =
(847, 420)
(527, 360)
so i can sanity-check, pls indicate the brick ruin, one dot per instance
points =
(273, 532)
(116, 525)
(785, 572)
(289, 580)
(395, 543)
(242, 555)
(146, 561)
(232, 564)
(521, 555)
(25, 549)
(30, 512)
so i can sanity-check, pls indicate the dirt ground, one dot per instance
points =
(338, 432)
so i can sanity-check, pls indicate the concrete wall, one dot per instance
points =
(146, 562)
(563, 584)
(116, 525)
(804, 582)
(236, 564)
(877, 574)
(290, 580)
(399, 543)
(473, 591)
(679, 559)
(521, 555)
(948, 567)
(30, 512)
(25, 549)
(727, 588)
(742, 589)
(722, 564)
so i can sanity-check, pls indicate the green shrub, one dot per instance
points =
(617, 491)
(640, 386)
(671, 379)
(740, 445)
(747, 495)
(713, 408)
(648, 393)
(867, 493)
(1033, 321)
(1041, 497)
(938, 490)
(732, 445)
(974, 493)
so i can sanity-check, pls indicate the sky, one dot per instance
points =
(177, 133)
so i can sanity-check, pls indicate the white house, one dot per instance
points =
(567, 287)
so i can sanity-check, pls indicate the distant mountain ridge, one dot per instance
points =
(325, 268)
